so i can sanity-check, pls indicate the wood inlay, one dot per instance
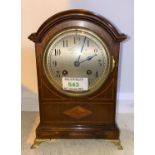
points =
(77, 112)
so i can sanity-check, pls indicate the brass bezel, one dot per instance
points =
(100, 82)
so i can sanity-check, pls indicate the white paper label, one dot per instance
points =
(75, 83)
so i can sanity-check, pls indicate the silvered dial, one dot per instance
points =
(77, 53)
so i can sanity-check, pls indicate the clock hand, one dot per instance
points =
(77, 63)
(88, 58)
(82, 48)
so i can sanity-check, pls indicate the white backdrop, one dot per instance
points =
(119, 12)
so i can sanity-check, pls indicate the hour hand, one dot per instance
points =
(77, 63)
(89, 58)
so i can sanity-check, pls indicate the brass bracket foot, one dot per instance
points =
(117, 143)
(37, 142)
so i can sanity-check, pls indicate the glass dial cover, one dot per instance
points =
(77, 53)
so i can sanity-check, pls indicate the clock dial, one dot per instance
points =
(77, 53)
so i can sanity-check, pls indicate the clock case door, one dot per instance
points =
(91, 116)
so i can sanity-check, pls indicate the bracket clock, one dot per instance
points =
(77, 54)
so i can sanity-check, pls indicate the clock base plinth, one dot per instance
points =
(37, 142)
(106, 132)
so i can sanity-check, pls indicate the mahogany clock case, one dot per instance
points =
(90, 116)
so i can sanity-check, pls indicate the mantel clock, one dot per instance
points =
(77, 55)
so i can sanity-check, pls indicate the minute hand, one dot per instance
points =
(82, 48)
(88, 58)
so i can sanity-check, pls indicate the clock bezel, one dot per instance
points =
(100, 81)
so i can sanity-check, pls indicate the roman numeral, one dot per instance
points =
(57, 52)
(65, 43)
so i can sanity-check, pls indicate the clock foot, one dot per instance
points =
(37, 142)
(117, 143)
